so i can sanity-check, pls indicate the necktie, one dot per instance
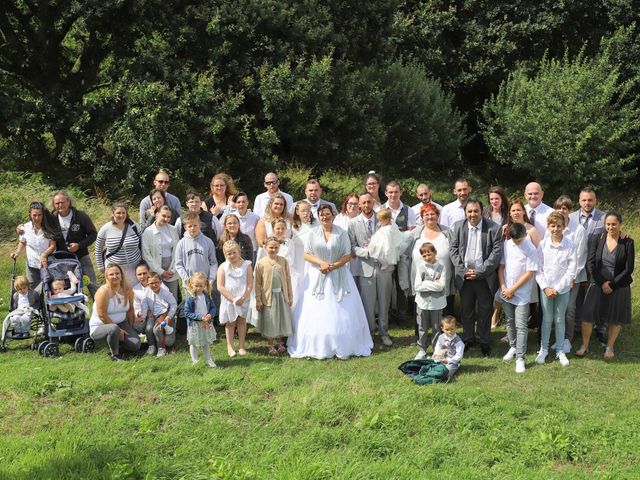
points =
(370, 225)
(585, 223)
(532, 216)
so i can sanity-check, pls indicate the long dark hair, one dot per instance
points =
(48, 221)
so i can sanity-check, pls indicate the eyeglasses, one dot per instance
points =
(162, 181)
(352, 204)
(371, 184)
(272, 182)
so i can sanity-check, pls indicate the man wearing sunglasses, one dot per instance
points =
(272, 184)
(161, 182)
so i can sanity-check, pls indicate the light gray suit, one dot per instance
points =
(595, 226)
(374, 284)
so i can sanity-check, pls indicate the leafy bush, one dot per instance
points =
(571, 123)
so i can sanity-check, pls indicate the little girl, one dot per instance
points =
(59, 290)
(26, 303)
(273, 297)
(387, 242)
(291, 249)
(430, 298)
(235, 282)
(199, 310)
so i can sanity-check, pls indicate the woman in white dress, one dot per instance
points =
(329, 319)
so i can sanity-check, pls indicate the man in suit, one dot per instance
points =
(312, 192)
(592, 221)
(374, 283)
(475, 249)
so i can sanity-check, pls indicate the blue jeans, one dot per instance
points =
(553, 312)
(517, 329)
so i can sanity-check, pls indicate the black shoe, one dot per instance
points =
(116, 358)
(486, 350)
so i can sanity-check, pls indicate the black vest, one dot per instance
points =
(402, 220)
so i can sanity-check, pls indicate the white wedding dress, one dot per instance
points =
(329, 319)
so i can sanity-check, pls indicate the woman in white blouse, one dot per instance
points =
(158, 244)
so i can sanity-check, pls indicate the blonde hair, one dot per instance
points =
(21, 281)
(230, 187)
(268, 217)
(229, 246)
(198, 277)
(123, 281)
(272, 239)
(384, 214)
(449, 321)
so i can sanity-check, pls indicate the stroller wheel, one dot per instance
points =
(51, 350)
(88, 345)
(77, 346)
(42, 346)
(3, 348)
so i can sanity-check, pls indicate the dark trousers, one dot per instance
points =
(476, 296)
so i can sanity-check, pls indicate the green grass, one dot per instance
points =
(82, 416)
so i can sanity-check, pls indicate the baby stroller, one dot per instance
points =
(61, 325)
(9, 332)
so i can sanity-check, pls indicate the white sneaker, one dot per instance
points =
(510, 355)
(386, 341)
(542, 356)
(151, 350)
(421, 354)
(520, 365)
(562, 358)
(566, 346)
(211, 363)
(162, 352)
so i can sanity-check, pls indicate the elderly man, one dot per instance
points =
(272, 184)
(424, 194)
(312, 192)
(454, 212)
(475, 249)
(161, 182)
(536, 210)
(374, 283)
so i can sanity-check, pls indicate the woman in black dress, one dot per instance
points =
(609, 265)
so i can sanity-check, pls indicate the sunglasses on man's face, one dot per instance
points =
(162, 181)
(272, 182)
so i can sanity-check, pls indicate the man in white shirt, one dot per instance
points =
(312, 192)
(272, 184)
(161, 182)
(454, 212)
(536, 210)
(424, 194)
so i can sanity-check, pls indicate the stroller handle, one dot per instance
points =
(63, 254)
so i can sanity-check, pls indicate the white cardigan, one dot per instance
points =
(152, 250)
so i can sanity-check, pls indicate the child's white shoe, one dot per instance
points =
(211, 363)
(421, 354)
(562, 358)
(520, 365)
(161, 352)
(542, 356)
(510, 355)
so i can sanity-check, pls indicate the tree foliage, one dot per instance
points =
(571, 123)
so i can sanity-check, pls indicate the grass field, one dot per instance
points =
(82, 416)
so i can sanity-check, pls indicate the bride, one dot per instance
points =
(329, 319)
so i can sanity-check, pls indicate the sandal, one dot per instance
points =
(272, 350)
(582, 351)
(282, 348)
(242, 352)
(608, 353)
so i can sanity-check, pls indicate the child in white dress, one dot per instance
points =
(235, 282)
(199, 309)
(387, 242)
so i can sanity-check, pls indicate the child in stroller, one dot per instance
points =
(59, 290)
(25, 304)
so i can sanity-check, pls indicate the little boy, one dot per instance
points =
(59, 290)
(26, 303)
(449, 348)
(430, 297)
(195, 252)
(162, 306)
(209, 224)
(517, 269)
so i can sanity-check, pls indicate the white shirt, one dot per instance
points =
(578, 235)
(518, 260)
(261, 201)
(451, 213)
(540, 220)
(471, 256)
(557, 264)
(36, 243)
(416, 210)
(159, 303)
(23, 300)
(65, 223)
